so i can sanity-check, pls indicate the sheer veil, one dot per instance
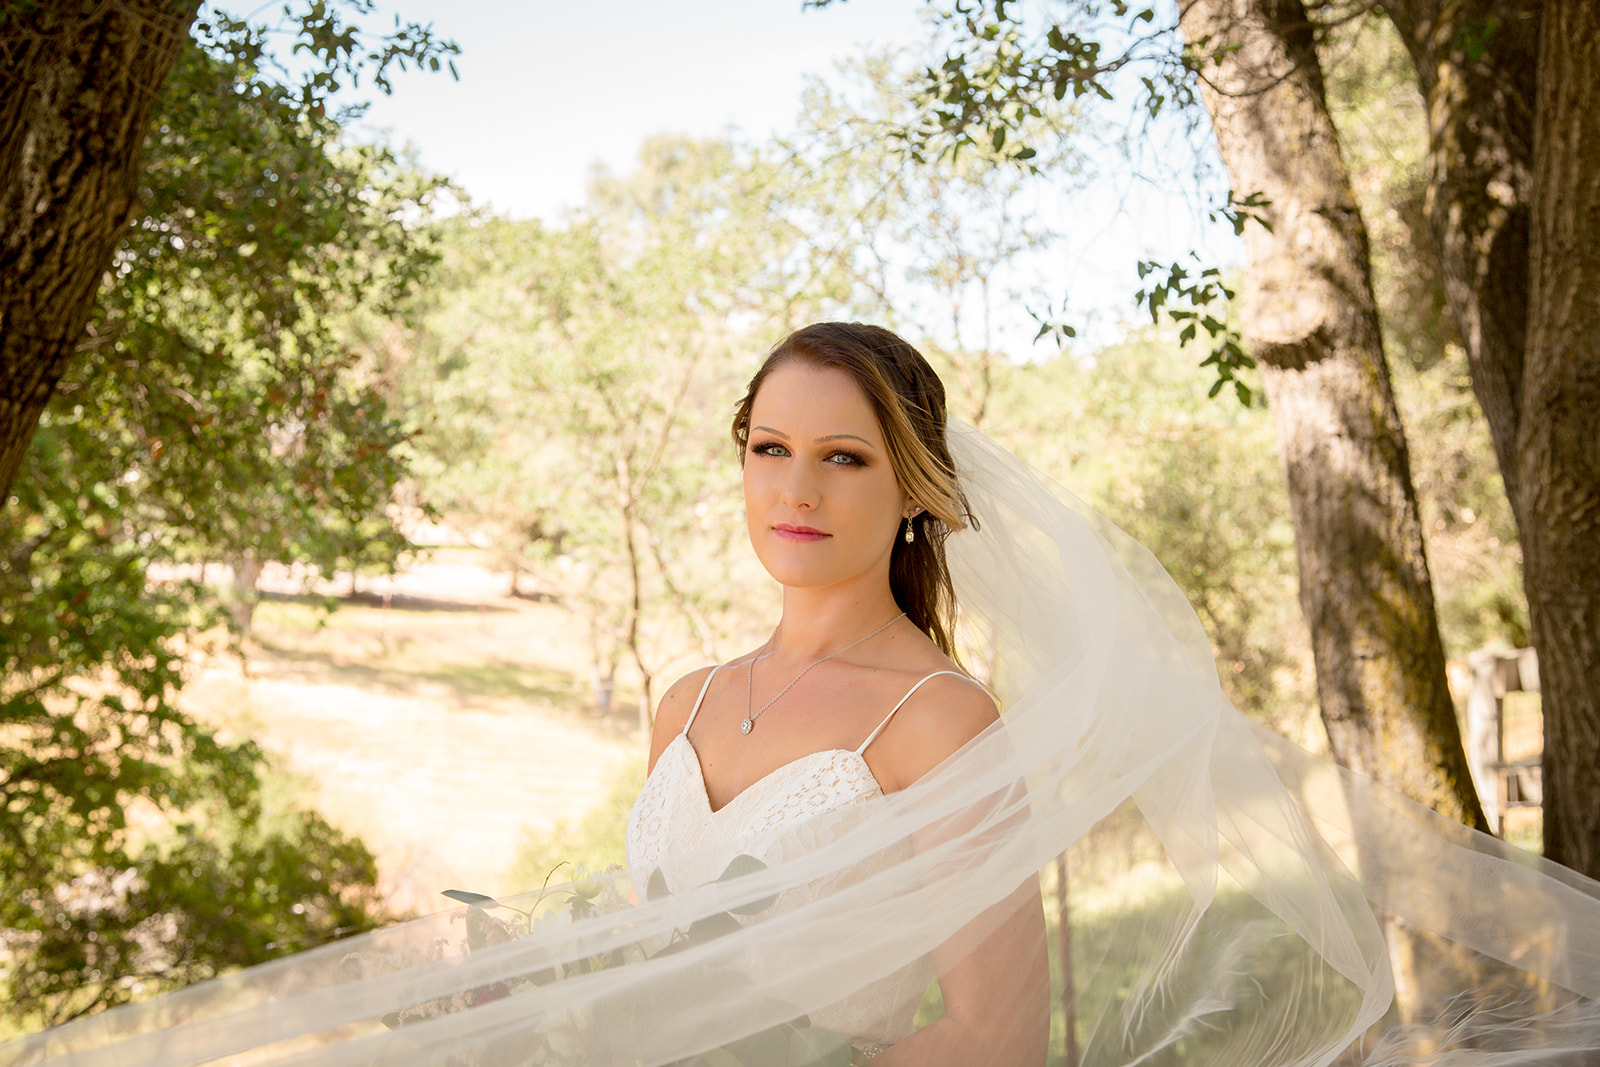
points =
(1230, 898)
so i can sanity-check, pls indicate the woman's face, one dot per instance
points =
(821, 499)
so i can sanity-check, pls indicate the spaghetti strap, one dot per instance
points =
(873, 736)
(701, 698)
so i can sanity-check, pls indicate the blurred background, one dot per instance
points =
(392, 483)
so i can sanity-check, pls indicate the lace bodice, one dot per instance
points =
(673, 828)
(673, 816)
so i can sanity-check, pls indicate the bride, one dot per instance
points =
(844, 835)
(849, 493)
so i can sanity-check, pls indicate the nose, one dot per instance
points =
(799, 489)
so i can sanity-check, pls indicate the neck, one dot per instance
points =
(816, 623)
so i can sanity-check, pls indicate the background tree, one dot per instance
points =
(1513, 200)
(1479, 67)
(1130, 428)
(217, 377)
(451, 366)
(81, 87)
(930, 245)
(1473, 554)
(581, 370)
(229, 343)
(1311, 319)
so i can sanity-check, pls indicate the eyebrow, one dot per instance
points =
(820, 440)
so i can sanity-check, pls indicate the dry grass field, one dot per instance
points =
(443, 728)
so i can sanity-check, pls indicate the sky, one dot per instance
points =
(548, 89)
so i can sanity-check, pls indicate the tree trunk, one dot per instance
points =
(1475, 63)
(1558, 447)
(1310, 316)
(1513, 102)
(80, 88)
(246, 592)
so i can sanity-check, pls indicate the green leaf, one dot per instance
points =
(717, 1057)
(815, 1047)
(468, 897)
(740, 866)
(755, 907)
(713, 926)
(768, 1047)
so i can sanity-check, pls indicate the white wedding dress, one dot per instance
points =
(674, 829)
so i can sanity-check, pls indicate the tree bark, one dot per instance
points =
(1513, 104)
(78, 90)
(1475, 63)
(1558, 447)
(1310, 316)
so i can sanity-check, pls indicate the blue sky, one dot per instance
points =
(548, 89)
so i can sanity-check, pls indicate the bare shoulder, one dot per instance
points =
(673, 710)
(945, 712)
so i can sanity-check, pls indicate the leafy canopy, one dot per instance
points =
(219, 409)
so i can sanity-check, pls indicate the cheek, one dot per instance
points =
(877, 502)
(752, 484)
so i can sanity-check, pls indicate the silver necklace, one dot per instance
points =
(750, 680)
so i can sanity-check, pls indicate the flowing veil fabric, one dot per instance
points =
(1232, 899)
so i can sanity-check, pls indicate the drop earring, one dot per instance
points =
(911, 531)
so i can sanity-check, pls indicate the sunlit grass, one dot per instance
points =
(596, 841)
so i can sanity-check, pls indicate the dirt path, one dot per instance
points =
(440, 730)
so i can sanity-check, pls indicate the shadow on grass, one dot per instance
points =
(487, 680)
(390, 602)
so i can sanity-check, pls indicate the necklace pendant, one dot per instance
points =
(745, 727)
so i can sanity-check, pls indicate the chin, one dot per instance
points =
(791, 576)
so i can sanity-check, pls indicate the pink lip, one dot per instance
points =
(798, 533)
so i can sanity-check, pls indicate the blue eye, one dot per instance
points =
(846, 459)
(768, 448)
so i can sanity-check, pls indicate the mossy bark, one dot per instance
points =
(1310, 319)
(80, 89)
(1514, 204)
(1558, 443)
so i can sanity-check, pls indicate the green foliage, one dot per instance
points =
(329, 48)
(119, 932)
(218, 408)
(1000, 73)
(1198, 304)
(1132, 429)
(230, 331)
(572, 383)
(997, 95)
(933, 246)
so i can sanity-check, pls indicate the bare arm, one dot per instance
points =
(995, 973)
(996, 996)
